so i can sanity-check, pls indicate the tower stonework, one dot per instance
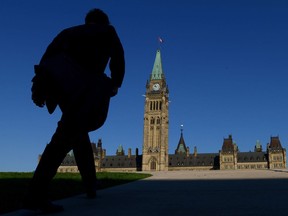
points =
(228, 154)
(156, 120)
(276, 154)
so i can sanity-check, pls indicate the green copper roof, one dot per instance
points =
(157, 68)
(258, 144)
(120, 148)
(181, 148)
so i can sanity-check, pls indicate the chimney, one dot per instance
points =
(195, 151)
(129, 152)
(99, 144)
(104, 153)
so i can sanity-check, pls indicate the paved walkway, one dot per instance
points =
(197, 193)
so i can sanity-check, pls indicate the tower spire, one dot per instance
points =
(181, 148)
(157, 72)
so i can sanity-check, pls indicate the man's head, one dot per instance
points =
(96, 16)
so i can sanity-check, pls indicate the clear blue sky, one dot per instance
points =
(226, 65)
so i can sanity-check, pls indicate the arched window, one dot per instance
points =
(158, 120)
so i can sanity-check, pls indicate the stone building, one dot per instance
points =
(228, 158)
(155, 156)
(273, 158)
(156, 120)
(183, 160)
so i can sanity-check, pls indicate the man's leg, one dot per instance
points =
(89, 117)
(51, 159)
(85, 161)
(75, 122)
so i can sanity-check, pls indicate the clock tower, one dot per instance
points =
(156, 120)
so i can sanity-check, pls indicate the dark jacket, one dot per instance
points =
(91, 46)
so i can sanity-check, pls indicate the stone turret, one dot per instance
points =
(228, 154)
(188, 152)
(276, 154)
(195, 151)
(129, 152)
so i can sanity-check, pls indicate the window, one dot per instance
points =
(158, 120)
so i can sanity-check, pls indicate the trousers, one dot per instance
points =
(78, 119)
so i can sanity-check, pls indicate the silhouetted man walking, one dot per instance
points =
(71, 75)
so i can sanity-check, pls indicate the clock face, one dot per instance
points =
(156, 86)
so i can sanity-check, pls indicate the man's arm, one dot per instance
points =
(117, 61)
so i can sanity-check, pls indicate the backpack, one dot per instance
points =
(59, 79)
(41, 89)
(56, 79)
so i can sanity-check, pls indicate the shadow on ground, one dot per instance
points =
(13, 191)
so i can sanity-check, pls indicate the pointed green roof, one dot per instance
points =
(120, 151)
(157, 71)
(181, 148)
(120, 148)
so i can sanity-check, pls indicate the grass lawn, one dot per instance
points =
(13, 186)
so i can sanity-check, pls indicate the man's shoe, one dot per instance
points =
(44, 207)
